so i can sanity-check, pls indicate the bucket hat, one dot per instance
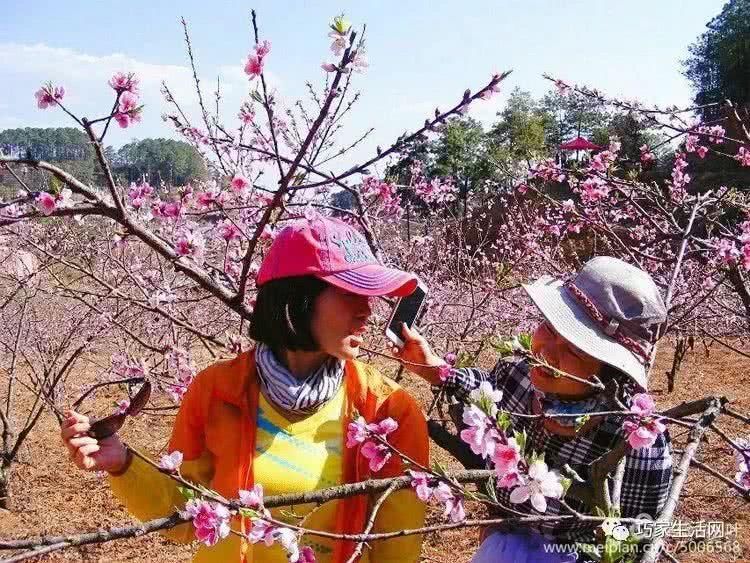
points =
(610, 310)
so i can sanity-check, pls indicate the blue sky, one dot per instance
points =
(422, 53)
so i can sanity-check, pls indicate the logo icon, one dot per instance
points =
(613, 527)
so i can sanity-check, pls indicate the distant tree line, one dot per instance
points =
(159, 161)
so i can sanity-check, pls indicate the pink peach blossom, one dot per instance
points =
(743, 156)
(48, 96)
(240, 184)
(454, 502)
(171, 462)
(121, 82)
(122, 406)
(643, 404)
(356, 432)
(377, 454)
(420, 482)
(46, 203)
(253, 498)
(210, 520)
(506, 457)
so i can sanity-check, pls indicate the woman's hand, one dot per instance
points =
(416, 350)
(88, 453)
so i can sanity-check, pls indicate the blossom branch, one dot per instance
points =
(287, 177)
(428, 126)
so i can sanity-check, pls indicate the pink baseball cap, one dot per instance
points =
(335, 252)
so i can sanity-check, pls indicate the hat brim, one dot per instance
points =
(572, 322)
(373, 280)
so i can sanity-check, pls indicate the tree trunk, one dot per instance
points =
(408, 222)
(737, 279)
(5, 475)
(681, 348)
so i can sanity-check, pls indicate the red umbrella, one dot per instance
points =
(580, 144)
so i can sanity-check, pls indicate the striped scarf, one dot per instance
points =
(292, 394)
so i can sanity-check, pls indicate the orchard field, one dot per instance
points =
(58, 499)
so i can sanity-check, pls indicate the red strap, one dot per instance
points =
(610, 325)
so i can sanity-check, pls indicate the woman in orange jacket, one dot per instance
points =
(277, 415)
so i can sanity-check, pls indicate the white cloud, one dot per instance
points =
(24, 67)
(62, 65)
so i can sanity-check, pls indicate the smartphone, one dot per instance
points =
(406, 311)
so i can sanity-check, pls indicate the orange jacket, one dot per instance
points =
(218, 417)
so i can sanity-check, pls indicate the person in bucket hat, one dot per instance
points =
(603, 322)
(611, 310)
(276, 417)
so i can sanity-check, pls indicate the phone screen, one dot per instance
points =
(407, 310)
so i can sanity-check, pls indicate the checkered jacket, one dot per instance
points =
(648, 471)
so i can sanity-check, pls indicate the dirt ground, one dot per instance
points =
(52, 497)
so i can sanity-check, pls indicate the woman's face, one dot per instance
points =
(561, 354)
(339, 321)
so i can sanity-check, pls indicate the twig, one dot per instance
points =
(370, 523)
(723, 478)
(734, 414)
(728, 346)
(53, 543)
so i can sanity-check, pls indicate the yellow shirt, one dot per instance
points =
(299, 457)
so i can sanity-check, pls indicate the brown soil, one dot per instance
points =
(52, 497)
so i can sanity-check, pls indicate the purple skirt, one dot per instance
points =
(508, 547)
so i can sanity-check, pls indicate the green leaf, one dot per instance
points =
(614, 552)
(486, 404)
(566, 483)
(187, 492)
(520, 440)
(204, 490)
(503, 420)
(289, 515)
(581, 421)
(611, 549)
(438, 468)
(524, 339)
(340, 24)
(536, 456)
(510, 346)
(55, 185)
(248, 512)
(464, 359)
(504, 348)
(491, 489)
(477, 496)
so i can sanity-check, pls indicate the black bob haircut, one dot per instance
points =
(283, 313)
